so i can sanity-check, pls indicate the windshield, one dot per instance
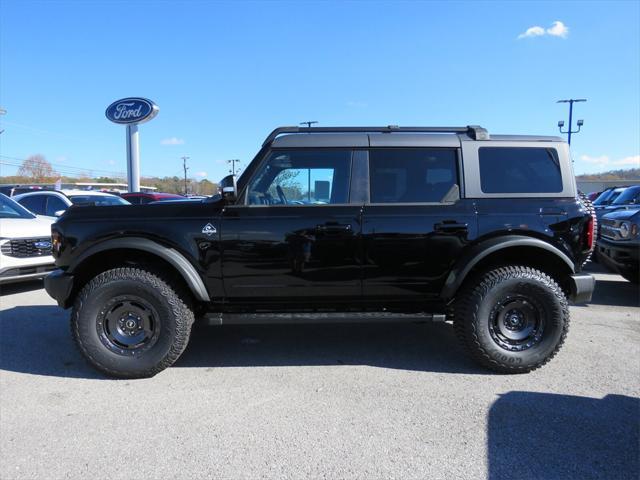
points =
(607, 197)
(11, 209)
(98, 200)
(630, 195)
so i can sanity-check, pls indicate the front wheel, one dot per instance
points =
(512, 319)
(130, 323)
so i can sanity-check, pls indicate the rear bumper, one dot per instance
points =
(582, 286)
(58, 285)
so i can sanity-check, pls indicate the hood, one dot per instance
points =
(626, 214)
(26, 227)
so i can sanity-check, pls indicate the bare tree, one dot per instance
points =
(36, 167)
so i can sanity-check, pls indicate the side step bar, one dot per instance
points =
(318, 317)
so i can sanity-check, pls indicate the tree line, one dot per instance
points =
(36, 169)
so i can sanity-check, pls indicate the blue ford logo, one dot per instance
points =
(131, 110)
(42, 245)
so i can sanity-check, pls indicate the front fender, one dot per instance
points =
(172, 256)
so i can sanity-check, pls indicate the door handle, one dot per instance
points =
(450, 226)
(552, 211)
(333, 227)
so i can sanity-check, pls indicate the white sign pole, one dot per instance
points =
(133, 158)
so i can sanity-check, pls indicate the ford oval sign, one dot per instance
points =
(131, 110)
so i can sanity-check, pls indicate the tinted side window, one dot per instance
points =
(519, 170)
(54, 204)
(411, 175)
(133, 199)
(35, 203)
(302, 177)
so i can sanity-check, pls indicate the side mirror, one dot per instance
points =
(228, 188)
(58, 213)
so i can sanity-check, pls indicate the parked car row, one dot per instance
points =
(26, 219)
(618, 245)
(25, 243)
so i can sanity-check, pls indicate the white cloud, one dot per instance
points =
(633, 161)
(111, 162)
(201, 174)
(357, 104)
(532, 32)
(557, 29)
(172, 141)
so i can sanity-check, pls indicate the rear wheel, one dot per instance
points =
(130, 323)
(512, 319)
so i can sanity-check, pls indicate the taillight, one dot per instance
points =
(589, 233)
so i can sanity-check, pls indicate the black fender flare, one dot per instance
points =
(172, 256)
(488, 247)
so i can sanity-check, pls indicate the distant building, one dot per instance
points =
(588, 186)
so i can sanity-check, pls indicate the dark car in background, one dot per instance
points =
(627, 198)
(618, 244)
(142, 198)
(608, 196)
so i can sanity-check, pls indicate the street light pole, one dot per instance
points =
(184, 166)
(233, 162)
(571, 101)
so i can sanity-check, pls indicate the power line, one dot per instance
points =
(64, 166)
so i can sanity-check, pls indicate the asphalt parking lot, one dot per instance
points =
(334, 401)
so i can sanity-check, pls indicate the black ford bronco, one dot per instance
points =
(341, 224)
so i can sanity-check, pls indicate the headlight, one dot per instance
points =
(625, 230)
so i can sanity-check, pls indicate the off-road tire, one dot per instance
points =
(477, 301)
(175, 318)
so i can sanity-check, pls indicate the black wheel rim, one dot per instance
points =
(128, 325)
(516, 323)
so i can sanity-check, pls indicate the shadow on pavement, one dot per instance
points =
(541, 435)
(421, 347)
(616, 293)
(21, 287)
(36, 340)
(611, 289)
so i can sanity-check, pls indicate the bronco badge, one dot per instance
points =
(209, 229)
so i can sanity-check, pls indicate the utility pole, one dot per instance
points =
(571, 101)
(2, 112)
(308, 124)
(184, 165)
(233, 162)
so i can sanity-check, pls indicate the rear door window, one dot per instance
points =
(412, 175)
(54, 204)
(519, 170)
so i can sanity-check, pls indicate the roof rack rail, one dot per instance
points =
(474, 131)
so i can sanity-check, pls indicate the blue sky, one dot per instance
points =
(225, 73)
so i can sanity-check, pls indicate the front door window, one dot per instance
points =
(302, 177)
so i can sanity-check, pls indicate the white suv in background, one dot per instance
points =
(53, 203)
(25, 243)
